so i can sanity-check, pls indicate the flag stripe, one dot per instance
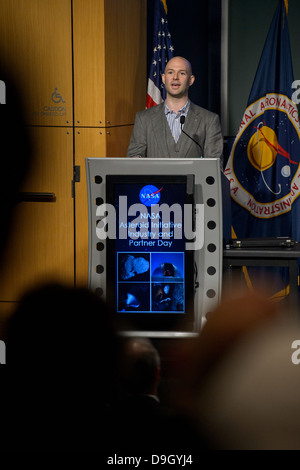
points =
(163, 51)
(153, 92)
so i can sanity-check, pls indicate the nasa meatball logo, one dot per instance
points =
(264, 166)
(150, 195)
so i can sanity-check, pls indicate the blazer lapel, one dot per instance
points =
(191, 125)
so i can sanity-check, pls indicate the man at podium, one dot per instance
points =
(176, 128)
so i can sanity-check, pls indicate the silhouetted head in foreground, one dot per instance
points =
(61, 327)
(62, 356)
(15, 151)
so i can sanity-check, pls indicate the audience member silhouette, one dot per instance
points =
(141, 421)
(16, 153)
(241, 382)
(63, 352)
(58, 338)
(16, 160)
(140, 373)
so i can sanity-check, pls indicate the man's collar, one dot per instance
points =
(183, 110)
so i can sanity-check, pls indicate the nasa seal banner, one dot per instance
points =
(263, 166)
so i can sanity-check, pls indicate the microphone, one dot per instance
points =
(182, 120)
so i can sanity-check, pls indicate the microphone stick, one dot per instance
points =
(182, 120)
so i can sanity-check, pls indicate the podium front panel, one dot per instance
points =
(156, 241)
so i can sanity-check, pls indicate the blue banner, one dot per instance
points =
(263, 167)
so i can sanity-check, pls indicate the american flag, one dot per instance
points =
(163, 51)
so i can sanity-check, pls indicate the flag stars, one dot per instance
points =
(162, 52)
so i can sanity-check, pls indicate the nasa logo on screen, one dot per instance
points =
(150, 195)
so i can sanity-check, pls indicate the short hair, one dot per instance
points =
(141, 362)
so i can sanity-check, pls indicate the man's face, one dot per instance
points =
(177, 77)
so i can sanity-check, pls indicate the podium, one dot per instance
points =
(156, 242)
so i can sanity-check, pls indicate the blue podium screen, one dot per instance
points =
(147, 264)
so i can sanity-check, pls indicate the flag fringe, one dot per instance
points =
(164, 2)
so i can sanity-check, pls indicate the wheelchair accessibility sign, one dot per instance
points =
(56, 106)
(56, 97)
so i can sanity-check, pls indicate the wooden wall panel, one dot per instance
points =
(108, 82)
(109, 61)
(35, 45)
(89, 143)
(41, 246)
(89, 63)
(125, 59)
(117, 140)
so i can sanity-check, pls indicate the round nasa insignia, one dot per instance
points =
(263, 167)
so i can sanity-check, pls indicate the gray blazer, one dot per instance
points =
(151, 136)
